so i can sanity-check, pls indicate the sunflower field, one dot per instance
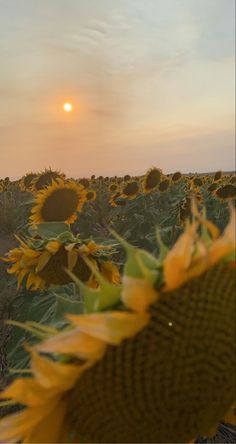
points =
(117, 308)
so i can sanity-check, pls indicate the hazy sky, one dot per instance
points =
(151, 81)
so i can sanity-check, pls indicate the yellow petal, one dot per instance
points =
(53, 246)
(138, 294)
(43, 260)
(50, 428)
(179, 258)
(111, 272)
(111, 327)
(72, 259)
(15, 427)
(74, 342)
(26, 391)
(50, 374)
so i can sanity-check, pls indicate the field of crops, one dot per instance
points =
(105, 282)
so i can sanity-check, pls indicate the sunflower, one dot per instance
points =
(226, 192)
(127, 178)
(90, 195)
(212, 187)
(197, 182)
(233, 180)
(113, 187)
(151, 180)
(47, 265)
(164, 185)
(176, 177)
(218, 175)
(84, 182)
(151, 365)
(45, 179)
(117, 200)
(26, 181)
(58, 202)
(130, 190)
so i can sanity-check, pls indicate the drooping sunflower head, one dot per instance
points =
(130, 190)
(226, 192)
(151, 180)
(59, 202)
(117, 200)
(45, 179)
(47, 264)
(176, 177)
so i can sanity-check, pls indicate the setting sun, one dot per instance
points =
(67, 107)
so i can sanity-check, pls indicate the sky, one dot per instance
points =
(151, 83)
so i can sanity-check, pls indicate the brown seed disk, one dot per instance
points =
(60, 205)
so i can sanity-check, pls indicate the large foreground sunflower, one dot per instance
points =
(155, 364)
(59, 202)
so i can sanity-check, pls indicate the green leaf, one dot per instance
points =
(51, 230)
(65, 305)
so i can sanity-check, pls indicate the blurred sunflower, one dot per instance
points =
(213, 187)
(151, 180)
(197, 182)
(130, 190)
(90, 195)
(226, 192)
(164, 185)
(233, 180)
(113, 187)
(117, 200)
(84, 182)
(45, 179)
(158, 356)
(176, 177)
(218, 175)
(26, 181)
(127, 178)
(58, 202)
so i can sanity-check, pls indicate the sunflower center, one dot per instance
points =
(153, 179)
(60, 205)
(81, 270)
(171, 382)
(54, 271)
(131, 189)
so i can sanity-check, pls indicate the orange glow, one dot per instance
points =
(67, 107)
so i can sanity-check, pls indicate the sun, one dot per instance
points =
(67, 107)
